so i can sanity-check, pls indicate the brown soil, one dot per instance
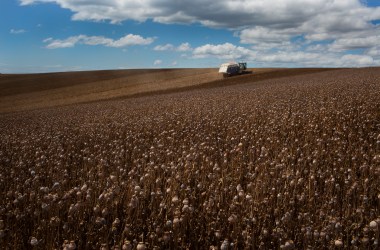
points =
(33, 91)
(283, 157)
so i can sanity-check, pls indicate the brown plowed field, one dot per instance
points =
(283, 159)
(32, 91)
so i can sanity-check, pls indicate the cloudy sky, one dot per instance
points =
(65, 35)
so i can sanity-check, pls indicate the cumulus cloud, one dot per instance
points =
(257, 22)
(289, 57)
(170, 47)
(286, 58)
(356, 60)
(15, 31)
(355, 43)
(164, 47)
(260, 34)
(310, 59)
(374, 52)
(270, 28)
(124, 41)
(332, 14)
(66, 43)
(225, 51)
(328, 20)
(184, 47)
(157, 62)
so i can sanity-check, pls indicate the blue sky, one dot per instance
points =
(66, 35)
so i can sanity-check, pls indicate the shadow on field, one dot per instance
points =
(247, 72)
(34, 91)
(247, 78)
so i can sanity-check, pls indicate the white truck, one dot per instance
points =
(230, 69)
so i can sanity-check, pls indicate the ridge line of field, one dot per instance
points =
(58, 97)
(234, 80)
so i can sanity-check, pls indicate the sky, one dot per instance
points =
(73, 35)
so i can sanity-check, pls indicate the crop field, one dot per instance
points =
(32, 91)
(270, 160)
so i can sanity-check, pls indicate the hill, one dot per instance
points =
(32, 91)
(283, 159)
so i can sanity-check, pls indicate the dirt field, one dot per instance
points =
(31, 91)
(283, 159)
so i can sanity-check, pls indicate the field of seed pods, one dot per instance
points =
(288, 163)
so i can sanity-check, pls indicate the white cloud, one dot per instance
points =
(289, 57)
(181, 48)
(332, 14)
(311, 59)
(19, 31)
(260, 34)
(225, 51)
(66, 43)
(326, 29)
(157, 62)
(263, 23)
(374, 52)
(129, 40)
(27, 2)
(320, 48)
(184, 47)
(124, 41)
(327, 20)
(356, 60)
(286, 58)
(164, 47)
(355, 43)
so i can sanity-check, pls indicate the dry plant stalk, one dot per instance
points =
(282, 164)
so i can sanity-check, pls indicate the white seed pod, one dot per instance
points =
(338, 226)
(103, 247)
(176, 221)
(127, 245)
(55, 185)
(96, 209)
(225, 245)
(116, 222)
(218, 235)
(338, 243)
(72, 245)
(175, 199)
(185, 208)
(33, 241)
(289, 245)
(185, 201)
(137, 189)
(113, 178)
(241, 194)
(373, 225)
(232, 218)
(141, 246)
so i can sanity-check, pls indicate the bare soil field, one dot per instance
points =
(32, 91)
(283, 159)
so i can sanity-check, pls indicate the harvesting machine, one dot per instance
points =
(230, 69)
